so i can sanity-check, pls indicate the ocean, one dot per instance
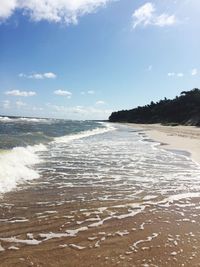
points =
(25, 141)
(77, 185)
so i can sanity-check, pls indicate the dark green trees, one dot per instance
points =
(184, 109)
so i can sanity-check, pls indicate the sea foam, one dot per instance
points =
(16, 166)
(23, 119)
(4, 119)
(83, 134)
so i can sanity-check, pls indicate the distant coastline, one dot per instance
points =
(182, 110)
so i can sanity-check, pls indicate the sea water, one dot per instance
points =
(85, 153)
(23, 139)
(70, 179)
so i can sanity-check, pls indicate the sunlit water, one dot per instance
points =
(86, 177)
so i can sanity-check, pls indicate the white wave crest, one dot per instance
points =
(4, 119)
(83, 134)
(16, 166)
(32, 120)
(22, 119)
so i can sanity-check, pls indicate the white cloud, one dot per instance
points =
(7, 7)
(67, 11)
(20, 93)
(63, 93)
(146, 15)
(49, 75)
(180, 74)
(170, 74)
(165, 20)
(194, 72)
(143, 15)
(36, 76)
(100, 102)
(39, 76)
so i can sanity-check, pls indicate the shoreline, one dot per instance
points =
(140, 210)
(181, 138)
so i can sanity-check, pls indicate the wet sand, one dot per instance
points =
(108, 233)
(174, 137)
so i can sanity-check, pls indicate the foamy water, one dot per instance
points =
(108, 157)
(21, 119)
(120, 160)
(87, 179)
(18, 164)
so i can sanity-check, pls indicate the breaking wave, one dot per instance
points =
(16, 166)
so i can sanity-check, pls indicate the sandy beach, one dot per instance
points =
(81, 185)
(186, 138)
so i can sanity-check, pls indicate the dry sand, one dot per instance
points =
(185, 138)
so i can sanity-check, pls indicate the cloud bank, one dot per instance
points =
(67, 11)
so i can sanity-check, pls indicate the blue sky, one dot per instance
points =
(83, 59)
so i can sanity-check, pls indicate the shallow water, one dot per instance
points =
(98, 187)
(21, 140)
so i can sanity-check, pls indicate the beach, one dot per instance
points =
(80, 184)
(108, 196)
(185, 138)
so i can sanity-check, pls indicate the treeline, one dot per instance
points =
(184, 109)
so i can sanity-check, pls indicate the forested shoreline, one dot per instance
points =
(183, 109)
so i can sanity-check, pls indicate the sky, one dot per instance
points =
(83, 59)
